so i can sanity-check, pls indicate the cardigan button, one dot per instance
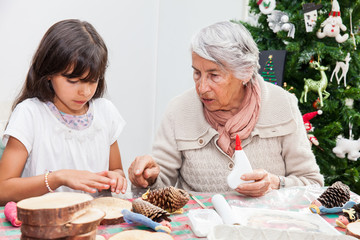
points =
(230, 165)
(201, 141)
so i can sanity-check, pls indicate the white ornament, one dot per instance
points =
(347, 146)
(310, 15)
(344, 69)
(279, 21)
(333, 24)
(266, 6)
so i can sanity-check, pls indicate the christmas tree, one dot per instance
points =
(304, 49)
(268, 73)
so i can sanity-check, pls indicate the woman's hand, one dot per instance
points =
(118, 180)
(80, 180)
(143, 171)
(263, 183)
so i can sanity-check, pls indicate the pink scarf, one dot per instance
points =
(242, 123)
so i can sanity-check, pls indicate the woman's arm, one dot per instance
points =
(300, 162)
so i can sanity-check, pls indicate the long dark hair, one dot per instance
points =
(72, 48)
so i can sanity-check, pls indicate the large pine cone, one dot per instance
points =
(169, 198)
(149, 210)
(335, 196)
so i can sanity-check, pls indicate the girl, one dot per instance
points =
(62, 135)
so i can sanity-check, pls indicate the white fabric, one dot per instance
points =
(52, 146)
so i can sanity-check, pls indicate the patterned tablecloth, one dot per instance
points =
(291, 200)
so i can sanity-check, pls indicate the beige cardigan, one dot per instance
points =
(185, 145)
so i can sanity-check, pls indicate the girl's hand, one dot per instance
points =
(81, 180)
(118, 181)
(263, 183)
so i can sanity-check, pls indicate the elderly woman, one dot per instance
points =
(194, 146)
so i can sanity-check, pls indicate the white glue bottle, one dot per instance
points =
(242, 165)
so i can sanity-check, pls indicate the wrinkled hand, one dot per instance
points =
(84, 180)
(143, 171)
(263, 183)
(118, 181)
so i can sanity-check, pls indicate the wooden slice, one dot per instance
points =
(84, 224)
(53, 208)
(87, 236)
(112, 206)
(141, 235)
(353, 229)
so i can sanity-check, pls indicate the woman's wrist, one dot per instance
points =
(275, 181)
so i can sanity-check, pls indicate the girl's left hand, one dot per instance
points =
(263, 183)
(118, 180)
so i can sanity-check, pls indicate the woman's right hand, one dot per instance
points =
(80, 180)
(143, 171)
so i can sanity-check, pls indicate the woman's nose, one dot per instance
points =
(203, 85)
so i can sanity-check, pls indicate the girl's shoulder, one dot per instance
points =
(30, 104)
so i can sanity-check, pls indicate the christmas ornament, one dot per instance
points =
(316, 103)
(308, 126)
(316, 86)
(279, 21)
(351, 30)
(344, 66)
(268, 73)
(349, 215)
(334, 196)
(333, 24)
(310, 15)
(149, 210)
(266, 6)
(347, 146)
(169, 198)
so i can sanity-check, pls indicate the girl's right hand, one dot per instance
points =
(81, 180)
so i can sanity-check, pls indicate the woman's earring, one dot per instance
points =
(245, 84)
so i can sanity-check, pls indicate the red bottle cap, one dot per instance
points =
(238, 143)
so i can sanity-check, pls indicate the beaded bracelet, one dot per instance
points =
(47, 182)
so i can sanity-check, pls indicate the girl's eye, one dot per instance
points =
(72, 81)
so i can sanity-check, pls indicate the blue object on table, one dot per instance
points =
(131, 217)
(323, 209)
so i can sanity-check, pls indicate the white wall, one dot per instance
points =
(148, 42)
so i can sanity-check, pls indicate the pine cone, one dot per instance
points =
(335, 196)
(169, 198)
(149, 210)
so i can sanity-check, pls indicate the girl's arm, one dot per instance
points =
(12, 186)
(116, 173)
(15, 188)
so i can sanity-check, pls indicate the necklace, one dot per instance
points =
(75, 121)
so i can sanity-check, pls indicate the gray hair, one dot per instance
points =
(231, 46)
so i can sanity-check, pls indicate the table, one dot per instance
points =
(291, 199)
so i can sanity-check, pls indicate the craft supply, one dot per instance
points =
(197, 200)
(10, 212)
(131, 217)
(203, 220)
(224, 210)
(112, 206)
(242, 165)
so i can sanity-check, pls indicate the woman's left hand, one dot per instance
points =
(263, 183)
(118, 180)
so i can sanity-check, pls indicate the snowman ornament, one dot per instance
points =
(266, 6)
(333, 24)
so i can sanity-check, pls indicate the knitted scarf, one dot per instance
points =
(242, 123)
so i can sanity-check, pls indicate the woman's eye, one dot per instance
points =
(215, 77)
(196, 75)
